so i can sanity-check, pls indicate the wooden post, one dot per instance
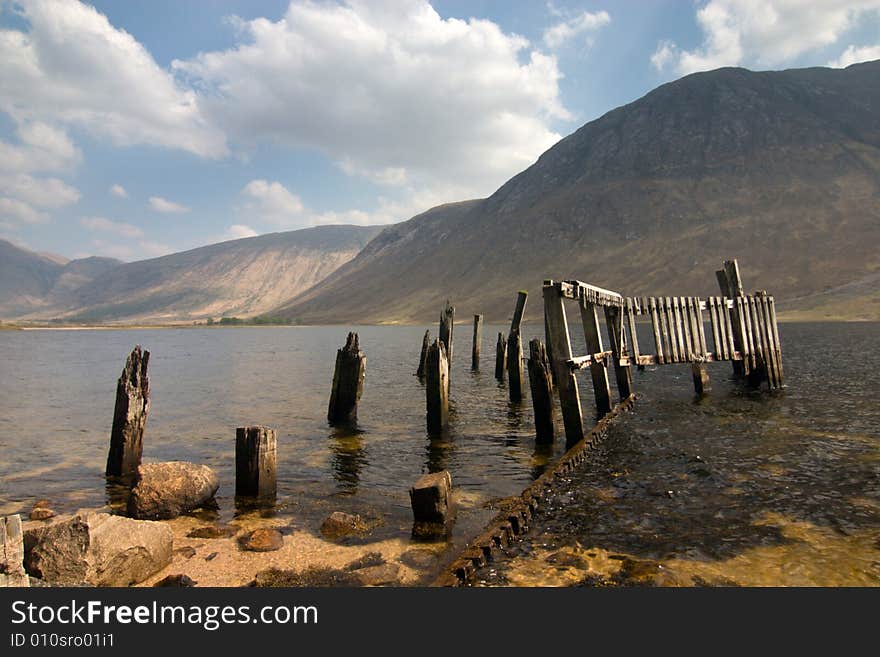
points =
(655, 326)
(432, 504)
(130, 415)
(447, 324)
(348, 382)
(598, 369)
(425, 342)
(560, 351)
(478, 336)
(514, 366)
(500, 357)
(521, 298)
(437, 388)
(255, 462)
(701, 377)
(622, 373)
(542, 393)
(12, 572)
(730, 284)
(777, 345)
(631, 309)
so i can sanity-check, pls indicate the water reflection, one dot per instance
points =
(349, 457)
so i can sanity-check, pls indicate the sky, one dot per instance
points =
(136, 128)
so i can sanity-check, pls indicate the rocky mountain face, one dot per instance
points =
(241, 278)
(32, 281)
(778, 169)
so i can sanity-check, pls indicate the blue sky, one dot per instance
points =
(137, 128)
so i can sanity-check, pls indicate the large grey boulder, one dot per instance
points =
(165, 490)
(98, 549)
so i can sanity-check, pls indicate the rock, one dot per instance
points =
(12, 572)
(97, 549)
(324, 577)
(165, 490)
(176, 581)
(187, 552)
(42, 504)
(41, 513)
(384, 575)
(211, 556)
(419, 559)
(339, 525)
(212, 531)
(368, 560)
(263, 540)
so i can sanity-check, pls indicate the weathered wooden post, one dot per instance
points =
(432, 505)
(500, 357)
(730, 283)
(437, 388)
(478, 336)
(129, 415)
(447, 324)
(622, 373)
(514, 366)
(560, 351)
(514, 349)
(255, 462)
(425, 342)
(598, 368)
(541, 385)
(12, 572)
(348, 382)
(701, 378)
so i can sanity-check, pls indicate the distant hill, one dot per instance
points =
(779, 169)
(242, 278)
(31, 281)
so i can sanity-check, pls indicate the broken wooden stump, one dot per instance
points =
(514, 366)
(519, 310)
(12, 572)
(437, 388)
(500, 357)
(478, 336)
(348, 382)
(701, 378)
(447, 324)
(129, 416)
(541, 385)
(431, 499)
(426, 341)
(255, 462)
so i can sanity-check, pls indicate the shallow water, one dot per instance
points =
(57, 390)
(740, 487)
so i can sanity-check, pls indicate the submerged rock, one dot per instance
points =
(339, 525)
(263, 540)
(97, 549)
(323, 577)
(385, 575)
(165, 490)
(212, 531)
(369, 560)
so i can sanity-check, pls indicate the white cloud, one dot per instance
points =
(239, 231)
(854, 55)
(71, 66)
(42, 148)
(106, 225)
(160, 204)
(39, 192)
(15, 211)
(271, 202)
(764, 33)
(388, 90)
(585, 23)
(119, 191)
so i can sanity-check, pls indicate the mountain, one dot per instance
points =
(30, 281)
(243, 278)
(779, 169)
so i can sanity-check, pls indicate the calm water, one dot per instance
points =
(738, 488)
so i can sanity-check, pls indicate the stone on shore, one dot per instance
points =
(263, 540)
(340, 525)
(166, 490)
(97, 549)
